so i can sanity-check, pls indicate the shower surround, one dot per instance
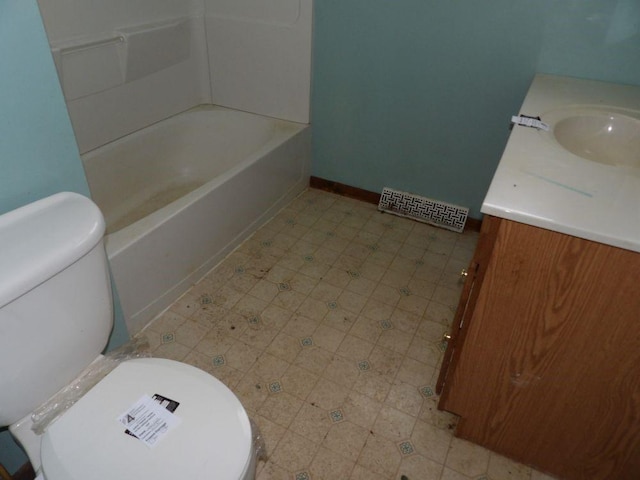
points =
(125, 67)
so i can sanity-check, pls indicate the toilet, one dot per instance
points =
(55, 320)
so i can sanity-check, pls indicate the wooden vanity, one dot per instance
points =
(543, 364)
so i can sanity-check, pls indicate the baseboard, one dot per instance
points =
(344, 190)
(338, 188)
(25, 472)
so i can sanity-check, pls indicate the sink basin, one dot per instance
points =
(606, 135)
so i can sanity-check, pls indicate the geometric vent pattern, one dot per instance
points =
(433, 212)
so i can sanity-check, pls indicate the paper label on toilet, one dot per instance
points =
(148, 421)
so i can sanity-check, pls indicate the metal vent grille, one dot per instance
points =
(433, 212)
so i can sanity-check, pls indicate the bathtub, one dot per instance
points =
(181, 194)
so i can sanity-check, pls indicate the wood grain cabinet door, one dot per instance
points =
(548, 371)
(474, 275)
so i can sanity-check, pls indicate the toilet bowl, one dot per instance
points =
(148, 418)
(212, 441)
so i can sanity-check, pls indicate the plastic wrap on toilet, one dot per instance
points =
(62, 401)
(258, 442)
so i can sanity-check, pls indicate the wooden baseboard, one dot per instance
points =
(25, 472)
(344, 190)
(338, 188)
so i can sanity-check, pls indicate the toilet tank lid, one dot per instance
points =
(41, 239)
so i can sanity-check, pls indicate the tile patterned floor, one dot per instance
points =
(327, 324)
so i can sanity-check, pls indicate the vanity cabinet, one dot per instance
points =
(543, 363)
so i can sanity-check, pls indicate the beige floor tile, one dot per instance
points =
(300, 326)
(387, 294)
(397, 278)
(201, 361)
(269, 367)
(258, 337)
(448, 474)
(395, 339)
(271, 471)
(294, 452)
(359, 284)
(430, 441)
(405, 397)
(393, 424)
(414, 372)
(342, 371)
(373, 384)
(366, 329)
(313, 359)
(241, 356)
(209, 315)
(287, 298)
(313, 309)
(340, 319)
(172, 351)
(426, 352)
(467, 458)
(285, 347)
(186, 305)
(438, 418)
(361, 410)
(216, 342)
(329, 465)
(447, 296)
(501, 468)
(414, 303)
(264, 290)
(346, 438)
(405, 321)
(328, 395)
(386, 362)
(377, 310)
(419, 467)
(380, 257)
(274, 316)
(169, 321)
(380, 456)
(337, 277)
(299, 382)
(281, 408)
(252, 391)
(250, 306)
(361, 473)
(355, 348)
(190, 333)
(352, 302)
(371, 270)
(328, 338)
(312, 422)
(233, 323)
(227, 375)
(403, 266)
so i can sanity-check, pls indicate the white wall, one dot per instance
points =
(124, 65)
(260, 55)
(107, 95)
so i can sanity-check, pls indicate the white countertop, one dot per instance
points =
(540, 183)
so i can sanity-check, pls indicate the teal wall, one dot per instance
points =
(38, 153)
(417, 94)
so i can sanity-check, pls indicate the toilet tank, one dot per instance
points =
(55, 299)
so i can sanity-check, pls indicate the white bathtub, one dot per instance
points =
(181, 194)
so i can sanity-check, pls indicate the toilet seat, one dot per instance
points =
(212, 441)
